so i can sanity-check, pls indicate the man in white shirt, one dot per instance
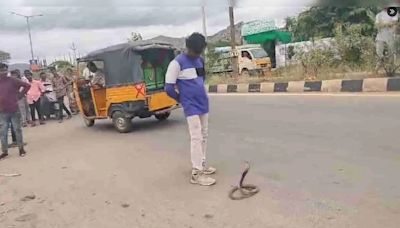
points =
(386, 26)
(98, 79)
(87, 74)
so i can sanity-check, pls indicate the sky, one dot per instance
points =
(94, 24)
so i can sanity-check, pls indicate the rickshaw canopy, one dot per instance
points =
(123, 62)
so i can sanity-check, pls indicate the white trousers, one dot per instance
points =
(198, 129)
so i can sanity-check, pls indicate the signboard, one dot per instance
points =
(259, 26)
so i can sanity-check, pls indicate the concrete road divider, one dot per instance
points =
(329, 86)
(243, 88)
(375, 85)
(393, 84)
(222, 88)
(267, 87)
(296, 87)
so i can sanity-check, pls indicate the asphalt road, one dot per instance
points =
(320, 161)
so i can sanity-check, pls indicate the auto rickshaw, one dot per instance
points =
(134, 84)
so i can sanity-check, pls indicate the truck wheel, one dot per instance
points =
(121, 123)
(163, 116)
(89, 122)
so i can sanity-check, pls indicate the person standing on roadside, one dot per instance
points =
(186, 73)
(385, 39)
(10, 92)
(60, 87)
(70, 90)
(33, 97)
(47, 97)
(22, 103)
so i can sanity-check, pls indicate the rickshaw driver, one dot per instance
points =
(187, 72)
(98, 80)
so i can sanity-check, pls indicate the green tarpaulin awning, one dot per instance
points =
(260, 38)
(264, 30)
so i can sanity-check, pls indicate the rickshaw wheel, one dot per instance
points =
(89, 122)
(162, 116)
(121, 123)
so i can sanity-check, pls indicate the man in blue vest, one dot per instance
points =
(185, 83)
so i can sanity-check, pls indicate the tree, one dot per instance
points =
(61, 64)
(315, 59)
(355, 49)
(358, 3)
(135, 36)
(212, 57)
(4, 56)
(321, 21)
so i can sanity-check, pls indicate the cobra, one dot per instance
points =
(246, 190)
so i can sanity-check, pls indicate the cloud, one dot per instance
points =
(163, 3)
(100, 17)
(94, 24)
(103, 14)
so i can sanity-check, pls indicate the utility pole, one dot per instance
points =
(29, 29)
(203, 11)
(73, 48)
(235, 63)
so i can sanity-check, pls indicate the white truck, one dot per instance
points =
(251, 59)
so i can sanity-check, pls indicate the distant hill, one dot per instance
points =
(223, 35)
(177, 42)
(19, 66)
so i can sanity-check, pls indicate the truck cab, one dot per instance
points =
(251, 59)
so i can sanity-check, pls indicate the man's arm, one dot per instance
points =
(204, 68)
(41, 87)
(170, 79)
(20, 84)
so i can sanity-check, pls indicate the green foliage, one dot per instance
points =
(220, 43)
(353, 2)
(354, 48)
(4, 56)
(321, 21)
(61, 64)
(315, 59)
(211, 58)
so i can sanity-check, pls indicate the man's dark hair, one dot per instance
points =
(3, 66)
(42, 73)
(27, 72)
(196, 43)
(14, 72)
(91, 64)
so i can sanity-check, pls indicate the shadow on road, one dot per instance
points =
(139, 125)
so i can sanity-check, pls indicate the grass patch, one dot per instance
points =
(294, 73)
